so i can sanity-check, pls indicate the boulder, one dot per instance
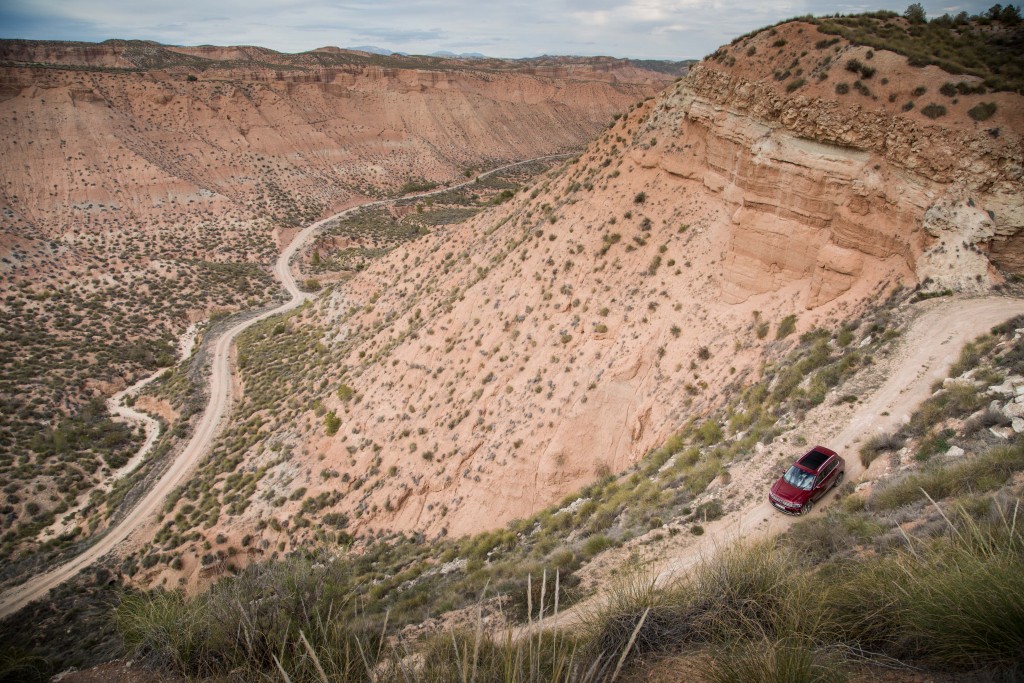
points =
(1013, 409)
(1002, 432)
(1004, 389)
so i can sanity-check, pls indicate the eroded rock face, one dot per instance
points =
(820, 191)
(159, 183)
(248, 137)
(957, 259)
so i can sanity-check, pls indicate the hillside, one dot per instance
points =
(146, 187)
(484, 371)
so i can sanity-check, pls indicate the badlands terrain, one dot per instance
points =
(147, 187)
(488, 369)
(589, 367)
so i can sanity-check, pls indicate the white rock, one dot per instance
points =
(1005, 389)
(1001, 432)
(454, 566)
(574, 506)
(1017, 424)
(863, 485)
(956, 451)
(1012, 410)
(864, 342)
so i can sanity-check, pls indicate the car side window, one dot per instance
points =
(827, 471)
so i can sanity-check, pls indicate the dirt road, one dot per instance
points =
(930, 346)
(209, 425)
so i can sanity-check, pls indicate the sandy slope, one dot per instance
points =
(208, 427)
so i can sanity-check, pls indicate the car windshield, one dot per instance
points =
(798, 478)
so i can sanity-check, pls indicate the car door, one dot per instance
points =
(824, 479)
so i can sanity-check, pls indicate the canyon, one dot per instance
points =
(145, 188)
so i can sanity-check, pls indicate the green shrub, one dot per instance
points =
(709, 511)
(787, 326)
(709, 433)
(878, 444)
(982, 111)
(331, 423)
(934, 111)
(652, 618)
(597, 543)
(796, 84)
(166, 629)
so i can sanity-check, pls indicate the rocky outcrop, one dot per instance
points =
(820, 191)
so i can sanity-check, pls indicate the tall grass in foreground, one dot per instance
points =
(752, 612)
(964, 597)
(744, 595)
(982, 473)
(956, 602)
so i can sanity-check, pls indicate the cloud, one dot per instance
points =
(658, 29)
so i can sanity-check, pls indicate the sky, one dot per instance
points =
(643, 29)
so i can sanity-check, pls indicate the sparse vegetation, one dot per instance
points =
(787, 326)
(960, 44)
(982, 111)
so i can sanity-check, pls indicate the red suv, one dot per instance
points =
(807, 480)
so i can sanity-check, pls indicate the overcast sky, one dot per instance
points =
(653, 29)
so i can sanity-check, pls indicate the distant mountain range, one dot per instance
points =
(374, 50)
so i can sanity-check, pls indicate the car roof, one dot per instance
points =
(815, 458)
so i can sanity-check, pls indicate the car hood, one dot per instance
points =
(787, 491)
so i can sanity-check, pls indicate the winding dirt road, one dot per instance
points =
(216, 409)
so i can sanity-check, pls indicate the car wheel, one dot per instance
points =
(806, 509)
(839, 479)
